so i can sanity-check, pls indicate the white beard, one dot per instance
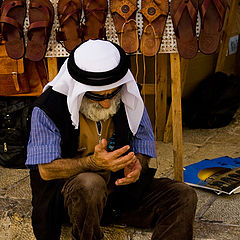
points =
(95, 112)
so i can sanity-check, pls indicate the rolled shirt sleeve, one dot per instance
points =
(44, 140)
(144, 142)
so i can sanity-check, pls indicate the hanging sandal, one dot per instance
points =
(12, 19)
(184, 18)
(69, 15)
(124, 14)
(154, 20)
(212, 19)
(95, 12)
(41, 16)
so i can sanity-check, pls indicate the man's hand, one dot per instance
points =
(132, 173)
(113, 161)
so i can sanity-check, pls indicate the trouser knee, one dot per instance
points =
(88, 188)
(186, 195)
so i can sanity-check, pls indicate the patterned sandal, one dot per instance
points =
(154, 20)
(124, 14)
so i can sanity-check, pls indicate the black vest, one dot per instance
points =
(54, 104)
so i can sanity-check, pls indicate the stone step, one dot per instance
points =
(15, 224)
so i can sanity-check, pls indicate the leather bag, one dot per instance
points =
(13, 80)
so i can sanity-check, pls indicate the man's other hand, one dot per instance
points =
(132, 173)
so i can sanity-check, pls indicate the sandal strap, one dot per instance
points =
(42, 8)
(65, 17)
(35, 25)
(39, 24)
(93, 11)
(220, 10)
(187, 4)
(75, 14)
(151, 26)
(122, 29)
(130, 20)
(125, 9)
(152, 11)
(8, 6)
(11, 21)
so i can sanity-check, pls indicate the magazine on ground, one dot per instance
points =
(222, 175)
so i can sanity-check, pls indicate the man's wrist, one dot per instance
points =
(91, 163)
(144, 160)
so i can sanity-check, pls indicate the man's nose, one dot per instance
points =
(106, 103)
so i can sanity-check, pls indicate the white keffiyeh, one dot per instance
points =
(98, 56)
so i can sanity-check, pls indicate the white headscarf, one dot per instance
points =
(98, 56)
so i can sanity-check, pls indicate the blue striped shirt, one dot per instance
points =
(44, 141)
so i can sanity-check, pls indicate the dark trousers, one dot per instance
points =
(166, 206)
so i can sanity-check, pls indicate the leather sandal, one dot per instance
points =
(41, 16)
(212, 18)
(69, 16)
(154, 20)
(95, 12)
(184, 18)
(12, 18)
(124, 14)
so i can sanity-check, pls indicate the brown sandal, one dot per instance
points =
(212, 19)
(12, 19)
(95, 12)
(41, 15)
(154, 20)
(124, 14)
(184, 18)
(69, 15)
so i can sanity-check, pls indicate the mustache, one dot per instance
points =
(95, 112)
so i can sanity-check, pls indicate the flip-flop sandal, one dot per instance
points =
(124, 14)
(41, 16)
(12, 19)
(184, 18)
(212, 18)
(95, 12)
(154, 20)
(69, 16)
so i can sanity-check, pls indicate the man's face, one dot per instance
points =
(101, 105)
(103, 97)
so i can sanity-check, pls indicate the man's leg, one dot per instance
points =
(48, 209)
(85, 196)
(168, 207)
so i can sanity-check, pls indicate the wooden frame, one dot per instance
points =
(169, 127)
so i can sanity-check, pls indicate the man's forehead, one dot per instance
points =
(105, 91)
